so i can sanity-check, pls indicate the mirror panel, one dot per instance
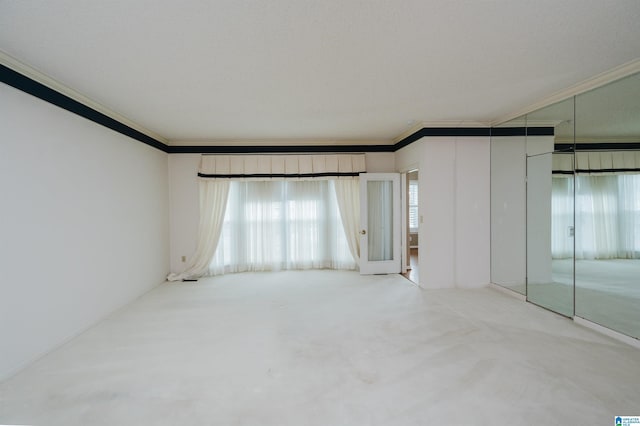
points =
(508, 164)
(578, 246)
(550, 208)
(549, 235)
(607, 263)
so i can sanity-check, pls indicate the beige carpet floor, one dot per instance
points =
(327, 348)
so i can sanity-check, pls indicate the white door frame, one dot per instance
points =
(404, 211)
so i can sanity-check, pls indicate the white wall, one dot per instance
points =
(473, 212)
(83, 229)
(183, 195)
(184, 209)
(454, 205)
(380, 162)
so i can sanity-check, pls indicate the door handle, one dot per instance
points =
(363, 232)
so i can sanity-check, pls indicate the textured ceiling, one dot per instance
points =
(317, 70)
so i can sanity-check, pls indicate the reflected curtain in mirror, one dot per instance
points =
(608, 217)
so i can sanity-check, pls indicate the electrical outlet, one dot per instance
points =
(184, 258)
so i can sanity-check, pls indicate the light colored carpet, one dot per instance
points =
(327, 348)
(615, 276)
(607, 292)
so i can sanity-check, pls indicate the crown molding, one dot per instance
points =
(35, 75)
(34, 82)
(451, 124)
(530, 123)
(598, 140)
(594, 82)
(280, 142)
(410, 131)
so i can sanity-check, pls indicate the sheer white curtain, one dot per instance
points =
(561, 217)
(629, 206)
(348, 197)
(380, 220)
(597, 214)
(275, 225)
(213, 203)
(607, 216)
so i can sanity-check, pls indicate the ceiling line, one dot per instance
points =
(39, 77)
(606, 77)
(42, 91)
(39, 90)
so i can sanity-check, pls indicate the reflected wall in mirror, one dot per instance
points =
(550, 234)
(550, 217)
(607, 258)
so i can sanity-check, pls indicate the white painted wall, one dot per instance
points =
(437, 207)
(454, 205)
(380, 162)
(473, 212)
(184, 208)
(183, 196)
(84, 225)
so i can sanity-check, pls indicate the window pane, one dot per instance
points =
(413, 217)
(276, 225)
(413, 204)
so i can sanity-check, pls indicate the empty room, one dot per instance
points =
(319, 213)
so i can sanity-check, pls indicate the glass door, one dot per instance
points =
(380, 222)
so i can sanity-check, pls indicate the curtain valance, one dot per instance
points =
(598, 163)
(562, 164)
(261, 167)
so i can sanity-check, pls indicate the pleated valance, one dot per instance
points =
(562, 164)
(261, 167)
(598, 163)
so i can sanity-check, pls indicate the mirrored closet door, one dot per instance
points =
(579, 185)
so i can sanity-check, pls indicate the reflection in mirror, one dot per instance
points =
(581, 238)
(560, 117)
(550, 232)
(550, 208)
(607, 270)
(562, 225)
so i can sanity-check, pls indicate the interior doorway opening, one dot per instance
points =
(412, 226)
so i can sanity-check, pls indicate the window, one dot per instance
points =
(276, 225)
(413, 205)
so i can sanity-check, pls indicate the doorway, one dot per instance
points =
(412, 227)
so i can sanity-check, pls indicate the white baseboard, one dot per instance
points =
(508, 292)
(608, 332)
